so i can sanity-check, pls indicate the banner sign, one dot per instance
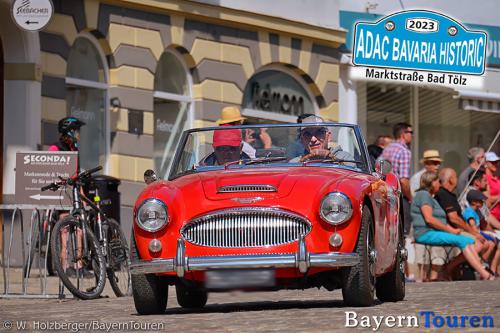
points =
(420, 40)
(36, 169)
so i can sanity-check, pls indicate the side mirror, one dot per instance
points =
(383, 167)
(150, 176)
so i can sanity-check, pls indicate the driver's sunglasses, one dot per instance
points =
(317, 132)
(227, 149)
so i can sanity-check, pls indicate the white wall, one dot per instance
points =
(323, 13)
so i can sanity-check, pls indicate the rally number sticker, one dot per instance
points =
(421, 25)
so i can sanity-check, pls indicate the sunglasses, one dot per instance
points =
(318, 133)
(411, 132)
(227, 149)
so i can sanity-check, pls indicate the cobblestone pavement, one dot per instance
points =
(311, 310)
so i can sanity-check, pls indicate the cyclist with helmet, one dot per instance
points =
(69, 129)
(69, 137)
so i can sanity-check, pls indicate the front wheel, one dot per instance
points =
(82, 271)
(190, 297)
(150, 291)
(118, 260)
(359, 281)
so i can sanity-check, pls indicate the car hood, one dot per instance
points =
(252, 181)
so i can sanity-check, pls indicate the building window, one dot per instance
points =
(86, 99)
(277, 96)
(172, 105)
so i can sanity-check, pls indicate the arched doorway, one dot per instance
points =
(86, 99)
(172, 105)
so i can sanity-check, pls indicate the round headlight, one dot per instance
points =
(152, 215)
(336, 208)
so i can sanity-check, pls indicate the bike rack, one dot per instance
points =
(6, 262)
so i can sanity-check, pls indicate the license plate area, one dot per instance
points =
(239, 278)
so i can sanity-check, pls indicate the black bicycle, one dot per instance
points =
(87, 246)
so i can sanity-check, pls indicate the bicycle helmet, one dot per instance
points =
(68, 124)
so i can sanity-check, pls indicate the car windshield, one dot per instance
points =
(294, 145)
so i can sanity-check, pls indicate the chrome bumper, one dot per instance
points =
(300, 260)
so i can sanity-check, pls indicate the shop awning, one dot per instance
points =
(478, 101)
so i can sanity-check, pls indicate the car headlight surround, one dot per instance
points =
(335, 208)
(152, 215)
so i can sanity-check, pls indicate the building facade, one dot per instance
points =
(140, 72)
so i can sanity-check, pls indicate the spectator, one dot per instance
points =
(399, 155)
(475, 156)
(449, 203)
(493, 183)
(476, 200)
(375, 149)
(430, 226)
(479, 182)
(431, 161)
(296, 148)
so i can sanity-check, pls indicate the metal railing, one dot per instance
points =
(27, 253)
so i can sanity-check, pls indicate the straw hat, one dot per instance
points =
(230, 114)
(431, 155)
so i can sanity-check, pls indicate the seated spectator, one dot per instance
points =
(493, 183)
(431, 161)
(479, 182)
(475, 156)
(430, 226)
(471, 214)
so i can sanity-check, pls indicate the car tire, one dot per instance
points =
(358, 285)
(391, 286)
(150, 291)
(190, 297)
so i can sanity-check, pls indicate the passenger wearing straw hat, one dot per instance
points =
(231, 116)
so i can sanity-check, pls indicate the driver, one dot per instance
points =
(315, 140)
(227, 146)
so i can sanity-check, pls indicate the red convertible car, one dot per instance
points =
(308, 211)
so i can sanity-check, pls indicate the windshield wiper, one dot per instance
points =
(264, 160)
(331, 161)
(255, 161)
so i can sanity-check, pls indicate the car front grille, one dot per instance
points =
(246, 227)
(247, 188)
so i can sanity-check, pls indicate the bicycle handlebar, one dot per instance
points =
(71, 180)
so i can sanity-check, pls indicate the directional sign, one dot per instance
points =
(36, 169)
(32, 15)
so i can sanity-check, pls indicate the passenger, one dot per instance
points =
(227, 146)
(430, 226)
(254, 138)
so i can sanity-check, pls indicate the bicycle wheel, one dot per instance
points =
(118, 260)
(82, 272)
